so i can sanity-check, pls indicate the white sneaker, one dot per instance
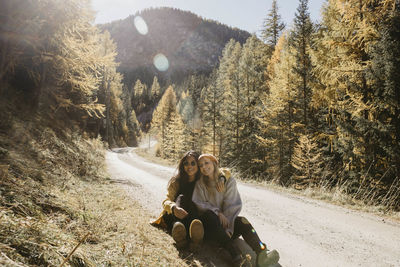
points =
(265, 258)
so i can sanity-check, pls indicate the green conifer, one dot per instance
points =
(273, 26)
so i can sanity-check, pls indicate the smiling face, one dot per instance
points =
(190, 167)
(206, 167)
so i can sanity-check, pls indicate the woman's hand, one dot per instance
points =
(220, 185)
(223, 220)
(179, 212)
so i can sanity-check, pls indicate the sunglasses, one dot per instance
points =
(186, 163)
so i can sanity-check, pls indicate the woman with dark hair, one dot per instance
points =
(180, 216)
(219, 212)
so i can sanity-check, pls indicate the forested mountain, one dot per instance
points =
(190, 43)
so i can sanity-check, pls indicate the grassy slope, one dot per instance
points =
(54, 191)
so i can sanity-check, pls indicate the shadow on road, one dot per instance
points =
(211, 254)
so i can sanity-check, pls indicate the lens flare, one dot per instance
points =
(140, 25)
(161, 62)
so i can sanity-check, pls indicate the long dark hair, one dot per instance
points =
(182, 176)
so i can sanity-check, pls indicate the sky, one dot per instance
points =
(244, 14)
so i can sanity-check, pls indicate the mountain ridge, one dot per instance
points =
(191, 44)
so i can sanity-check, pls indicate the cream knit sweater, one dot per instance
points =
(228, 202)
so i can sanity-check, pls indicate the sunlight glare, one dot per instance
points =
(161, 62)
(140, 25)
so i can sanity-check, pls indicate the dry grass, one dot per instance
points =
(337, 195)
(120, 233)
(54, 192)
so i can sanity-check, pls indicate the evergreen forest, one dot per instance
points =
(316, 104)
(57, 65)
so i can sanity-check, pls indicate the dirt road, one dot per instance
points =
(305, 232)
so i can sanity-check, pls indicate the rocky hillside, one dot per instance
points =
(190, 43)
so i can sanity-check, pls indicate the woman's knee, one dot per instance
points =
(210, 214)
(242, 220)
(243, 228)
(242, 224)
(209, 218)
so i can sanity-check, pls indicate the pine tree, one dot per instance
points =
(353, 61)
(73, 55)
(325, 60)
(307, 160)
(212, 97)
(301, 40)
(110, 91)
(182, 101)
(134, 132)
(384, 121)
(350, 29)
(251, 69)
(185, 107)
(278, 113)
(273, 26)
(223, 82)
(229, 79)
(138, 89)
(165, 109)
(155, 90)
(176, 140)
(20, 20)
(69, 67)
(195, 84)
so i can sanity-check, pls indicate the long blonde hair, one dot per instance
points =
(210, 182)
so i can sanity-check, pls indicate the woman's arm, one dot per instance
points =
(223, 175)
(232, 204)
(172, 192)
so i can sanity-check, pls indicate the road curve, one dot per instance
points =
(305, 232)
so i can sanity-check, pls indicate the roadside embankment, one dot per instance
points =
(57, 205)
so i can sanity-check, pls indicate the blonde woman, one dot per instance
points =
(219, 212)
